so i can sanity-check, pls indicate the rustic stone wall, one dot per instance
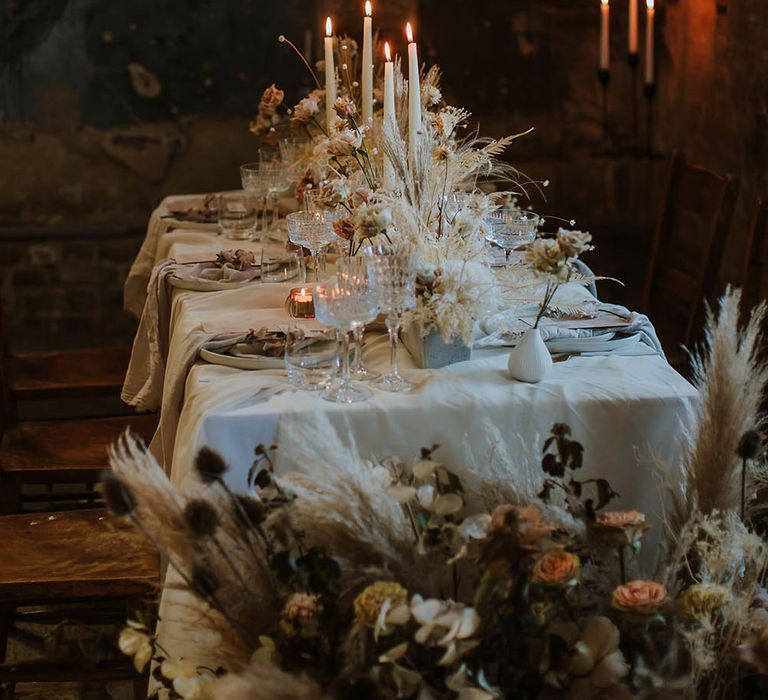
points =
(91, 146)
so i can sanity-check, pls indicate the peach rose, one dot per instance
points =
(621, 526)
(525, 522)
(556, 567)
(271, 100)
(641, 597)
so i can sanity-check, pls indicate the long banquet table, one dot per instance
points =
(626, 411)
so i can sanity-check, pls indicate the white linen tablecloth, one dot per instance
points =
(625, 410)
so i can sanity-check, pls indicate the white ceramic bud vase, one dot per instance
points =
(530, 360)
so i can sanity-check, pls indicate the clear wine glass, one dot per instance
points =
(255, 182)
(293, 150)
(345, 304)
(510, 228)
(394, 279)
(357, 267)
(311, 230)
(272, 166)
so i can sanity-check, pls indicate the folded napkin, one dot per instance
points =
(212, 272)
(506, 328)
(143, 387)
(262, 342)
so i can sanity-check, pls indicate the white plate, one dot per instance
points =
(243, 361)
(605, 342)
(207, 285)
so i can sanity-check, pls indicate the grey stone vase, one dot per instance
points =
(431, 351)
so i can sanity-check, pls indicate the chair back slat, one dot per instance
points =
(688, 242)
(755, 257)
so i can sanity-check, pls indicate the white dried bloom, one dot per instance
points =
(574, 243)
(371, 220)
(344, 142)
(548, 259)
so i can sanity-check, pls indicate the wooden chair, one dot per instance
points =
(755, 257)
(688, 242)
(55, 559)
(55, 452)
(64, 374)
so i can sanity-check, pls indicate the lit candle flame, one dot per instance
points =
(387, 52)
(409, 32)
(368, 10)
(649, 4)
(328, 27)
(605, 2)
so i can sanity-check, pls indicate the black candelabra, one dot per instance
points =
(633, 61)
(604, 77)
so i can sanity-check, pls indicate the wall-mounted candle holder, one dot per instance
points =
(604, 78)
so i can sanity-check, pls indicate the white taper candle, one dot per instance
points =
(414, 91)
(330, 75)
(649, 43)
(390, 118)
(605, 35)
(632, 48)
(367, 66)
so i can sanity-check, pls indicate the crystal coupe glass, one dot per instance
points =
(346, 303)
(394, 279)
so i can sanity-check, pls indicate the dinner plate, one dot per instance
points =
(198, 285)
(605, 342)
(242, 361)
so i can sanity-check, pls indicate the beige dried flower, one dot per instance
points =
(271, 100)
(699, 601)
(345, 107)
(548, 259)
(344, 229)
(300, 616)
(307, 108)
(574, 243)
(370, 600)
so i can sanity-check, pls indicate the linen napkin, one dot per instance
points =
(507, 327)
(143, 387)
(185, 356)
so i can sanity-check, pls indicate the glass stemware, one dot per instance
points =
(347, 303)
(357, 267)
(394, 278)
(255, 182)
(273, 168)
(510, 228)
(311, 230)
(293, 150)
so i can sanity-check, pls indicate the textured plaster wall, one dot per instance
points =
(107, 106)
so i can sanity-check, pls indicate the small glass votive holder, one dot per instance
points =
(237, 216)
(310, 359)
(300, 303)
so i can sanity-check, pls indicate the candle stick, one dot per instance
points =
(414, 92)
(390, 119)
(632, 27)
(605, 35)
(367, 77)
(649, 42)
(330, 75)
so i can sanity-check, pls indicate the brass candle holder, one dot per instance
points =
(300, 303)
